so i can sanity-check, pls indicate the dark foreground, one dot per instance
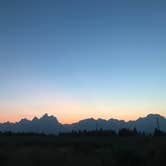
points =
(29, 150)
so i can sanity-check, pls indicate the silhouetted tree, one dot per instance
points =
(158, 132)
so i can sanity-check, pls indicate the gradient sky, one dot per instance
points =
(82, 58)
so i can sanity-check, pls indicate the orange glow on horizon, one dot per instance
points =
(67, 119)
(70, 111)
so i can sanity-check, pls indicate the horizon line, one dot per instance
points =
(82, 119)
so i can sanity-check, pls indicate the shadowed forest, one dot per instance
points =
(95, 148)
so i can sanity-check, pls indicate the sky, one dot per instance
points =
(77, 59)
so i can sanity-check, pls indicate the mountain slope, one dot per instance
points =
(50, 125)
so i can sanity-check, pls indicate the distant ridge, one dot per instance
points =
(50, 125)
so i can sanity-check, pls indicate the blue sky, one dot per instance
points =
(108, 56)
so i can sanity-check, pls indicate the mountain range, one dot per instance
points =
(50, 125)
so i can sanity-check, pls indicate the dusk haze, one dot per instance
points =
(78, 59)
(82, 82)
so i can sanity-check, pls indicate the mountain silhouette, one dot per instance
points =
(46, 124)
(50, 125)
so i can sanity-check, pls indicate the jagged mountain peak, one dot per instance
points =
(87, 120)
(35, 119)
(48, 119)
(24, 120)
(101, 120)
(44, 116)
(151, 117)
(50, 124)
(115, 120)
(154, 116)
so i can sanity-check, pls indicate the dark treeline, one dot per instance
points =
(121, 132)
(101, 132)
(91, 148)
